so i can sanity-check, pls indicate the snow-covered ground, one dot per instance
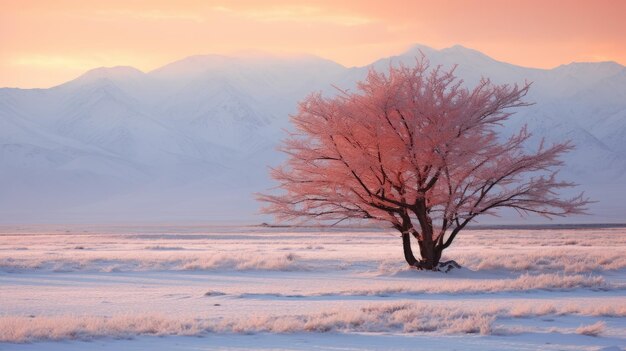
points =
(235, 288)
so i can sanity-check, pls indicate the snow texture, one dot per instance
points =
(307, 288)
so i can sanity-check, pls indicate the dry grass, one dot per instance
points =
(538, 251)
(152, 259)
(525, 282)
(397, 317)
(594, 329)
(575, 260)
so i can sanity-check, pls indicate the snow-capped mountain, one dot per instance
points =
(192, 140)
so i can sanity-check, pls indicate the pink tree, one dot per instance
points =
(417, 150)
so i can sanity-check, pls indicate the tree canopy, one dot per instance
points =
(417, 149)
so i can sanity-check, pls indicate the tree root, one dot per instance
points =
(445, 266)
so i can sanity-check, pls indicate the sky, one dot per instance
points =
(47, 42)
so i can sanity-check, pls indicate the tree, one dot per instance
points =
(416, 149)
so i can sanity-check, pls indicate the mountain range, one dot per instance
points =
(192, 141)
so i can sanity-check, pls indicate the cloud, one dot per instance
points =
(53, 61)
(76, 62)
(151, 15)
(297, 13)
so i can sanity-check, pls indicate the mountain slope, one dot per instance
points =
(192, 140)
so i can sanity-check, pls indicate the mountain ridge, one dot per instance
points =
(193, 139)
(227, 58)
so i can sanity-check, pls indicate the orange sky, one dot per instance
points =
(43, 43)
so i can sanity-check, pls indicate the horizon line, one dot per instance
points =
(237, 54)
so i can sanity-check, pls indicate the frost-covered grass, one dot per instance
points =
(397, 317)
(85, 286)
(594, 329)
(570, 260)
(525, 282)
(38, 328)
(541, 251)
(146, 260)
(158, 258)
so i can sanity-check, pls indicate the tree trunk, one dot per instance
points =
(430, 253)
(408, 252)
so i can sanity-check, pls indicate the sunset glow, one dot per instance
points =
(310, 175)
(43, 43)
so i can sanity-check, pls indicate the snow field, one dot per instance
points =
(523, 286)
